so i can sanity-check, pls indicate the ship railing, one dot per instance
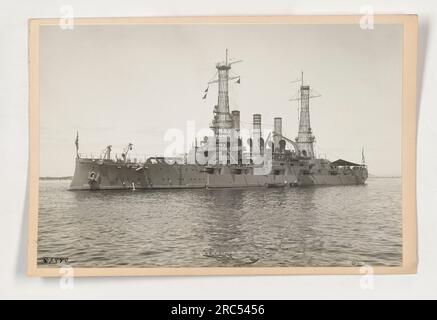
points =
(115, 158)
(132, 158)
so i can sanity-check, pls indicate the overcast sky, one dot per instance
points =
(122, 84)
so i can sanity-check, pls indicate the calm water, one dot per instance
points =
(314, 226)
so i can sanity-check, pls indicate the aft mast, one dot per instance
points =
(305, 139)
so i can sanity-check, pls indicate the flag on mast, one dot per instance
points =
(76, 142)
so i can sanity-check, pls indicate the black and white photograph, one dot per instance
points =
(236, 145)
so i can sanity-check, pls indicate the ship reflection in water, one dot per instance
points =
(257, 227)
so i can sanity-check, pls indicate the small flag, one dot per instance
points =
(363, 159)
(238, 81)
(76, 142)
(204, 97)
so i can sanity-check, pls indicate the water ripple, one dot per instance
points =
(317, 226)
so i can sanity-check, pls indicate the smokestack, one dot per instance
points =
(256, 135)
(257, 122)
(236, 119)
(278, 125)
(278, 132)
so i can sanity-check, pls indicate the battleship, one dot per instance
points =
(225, 159)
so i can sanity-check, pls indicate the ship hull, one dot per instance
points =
(92, 174)
(111, 175)
(325, 179)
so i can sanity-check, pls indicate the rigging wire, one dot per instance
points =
(213, 77)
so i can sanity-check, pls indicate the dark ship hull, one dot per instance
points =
(93, 174)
